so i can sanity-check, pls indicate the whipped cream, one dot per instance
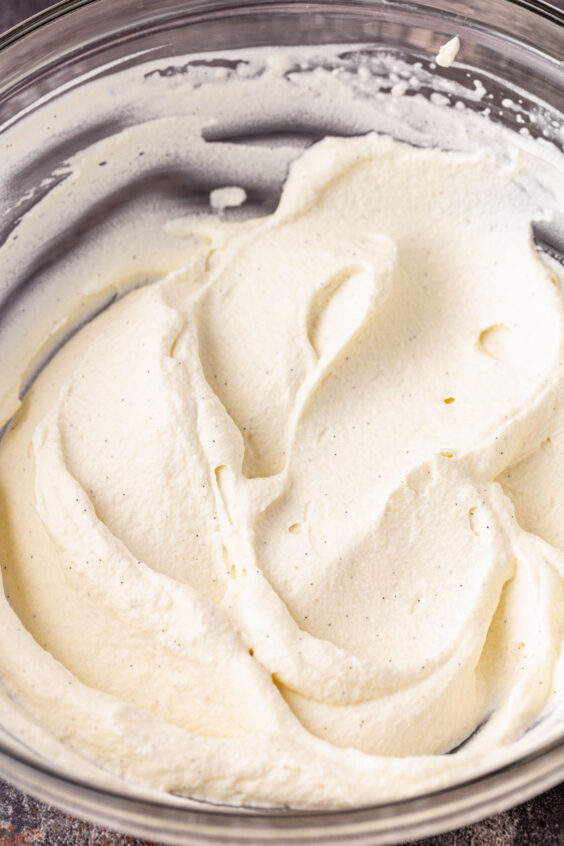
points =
(283, 525)
(448, 52)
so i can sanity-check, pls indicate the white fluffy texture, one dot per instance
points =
(448, 52)
(259, 516)
(224, 198)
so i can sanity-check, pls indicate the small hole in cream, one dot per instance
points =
(496, 341)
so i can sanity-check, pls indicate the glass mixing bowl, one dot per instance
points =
(517, 48)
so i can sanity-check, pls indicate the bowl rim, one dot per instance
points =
(544, 8)
(552, 749)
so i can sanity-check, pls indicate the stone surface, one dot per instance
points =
(26, 822)
(13, 11)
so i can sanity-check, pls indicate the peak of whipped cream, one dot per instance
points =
(448, 52)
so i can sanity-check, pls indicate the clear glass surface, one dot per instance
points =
(513, 44)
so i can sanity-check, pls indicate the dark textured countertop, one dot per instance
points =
(27, 822)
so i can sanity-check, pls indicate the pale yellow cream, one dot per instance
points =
(286, 526)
